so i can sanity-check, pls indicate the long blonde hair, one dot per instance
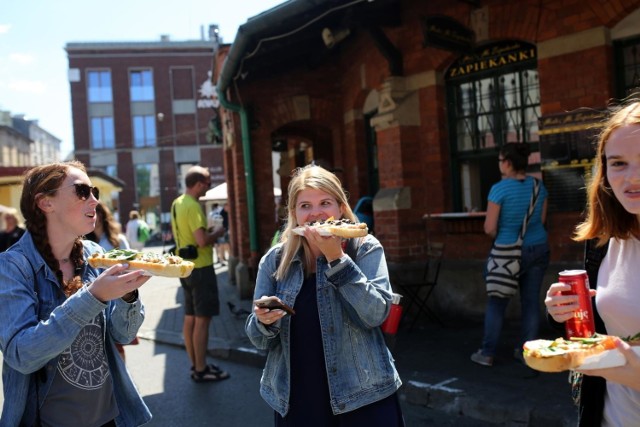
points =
(308, 177)
(606, 217)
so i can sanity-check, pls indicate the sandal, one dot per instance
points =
(211, 367)
(209, 374)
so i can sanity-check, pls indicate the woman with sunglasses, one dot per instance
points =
(60, 318)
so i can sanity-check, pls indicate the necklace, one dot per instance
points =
(64, 260)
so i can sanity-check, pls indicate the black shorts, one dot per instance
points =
(201, 293)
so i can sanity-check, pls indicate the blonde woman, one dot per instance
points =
(328, 364)
(12, 232)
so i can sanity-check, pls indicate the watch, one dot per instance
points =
(334, 262)
(132, 297)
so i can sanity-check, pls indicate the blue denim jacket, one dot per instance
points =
(354, 298)
(37, 323)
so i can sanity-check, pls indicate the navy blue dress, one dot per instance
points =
(309, 397)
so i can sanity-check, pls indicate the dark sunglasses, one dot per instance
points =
(83, 191)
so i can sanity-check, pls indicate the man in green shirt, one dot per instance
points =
(189, 225)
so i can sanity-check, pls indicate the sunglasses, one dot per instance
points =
(83, 191)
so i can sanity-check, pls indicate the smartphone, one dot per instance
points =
(273, 303)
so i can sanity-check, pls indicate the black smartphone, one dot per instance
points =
(273, 303)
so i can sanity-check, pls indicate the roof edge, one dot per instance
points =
(254, 25)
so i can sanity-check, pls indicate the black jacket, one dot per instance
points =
(593, 388)
(8, 239)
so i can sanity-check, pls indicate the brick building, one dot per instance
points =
(409, 100)
(144, 112)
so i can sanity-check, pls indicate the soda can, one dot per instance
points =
(391, 323)
(582, 323)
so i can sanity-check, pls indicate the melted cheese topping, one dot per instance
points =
(131, 255)
(557, 347)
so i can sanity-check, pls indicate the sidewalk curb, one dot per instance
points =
(218, 348)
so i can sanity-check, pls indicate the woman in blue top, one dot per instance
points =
(507, 206)
(60, 318)
(328, 364)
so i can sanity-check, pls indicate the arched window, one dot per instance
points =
(627, 54)
(493, 97)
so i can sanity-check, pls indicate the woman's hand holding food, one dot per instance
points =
(330, 246)
(115, 282)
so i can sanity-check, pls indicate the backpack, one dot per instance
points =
(143, 232)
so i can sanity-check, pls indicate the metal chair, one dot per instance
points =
(418, 292)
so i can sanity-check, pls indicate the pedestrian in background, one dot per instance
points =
(107, 234)
(107, 231)
(327, 365)
(508, 204)
(201, 303)
(60, 317)
(12, 232)
(133, 230)
(611, 231)
(222, 245)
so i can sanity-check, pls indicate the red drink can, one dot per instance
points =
(582, 323)
(391, 323)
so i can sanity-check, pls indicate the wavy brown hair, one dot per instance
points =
(38, 181)
(110, 226)
(606, 217)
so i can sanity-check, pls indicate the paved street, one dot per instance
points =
(162, 376)
(174, 400)
(441, 386)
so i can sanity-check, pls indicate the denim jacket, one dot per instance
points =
(354, 298)
(38, 322)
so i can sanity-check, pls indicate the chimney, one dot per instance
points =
(214, 33)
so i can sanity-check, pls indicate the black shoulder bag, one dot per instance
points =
(503, 265)
(187, 252)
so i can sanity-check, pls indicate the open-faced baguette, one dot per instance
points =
(337, 227)
(152, 263)
(563, 355)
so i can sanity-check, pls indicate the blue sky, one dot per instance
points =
(33, 34)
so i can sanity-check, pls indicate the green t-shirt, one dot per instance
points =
(189, 216)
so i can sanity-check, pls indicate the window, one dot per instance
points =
(99, 86)
(141, 85)
(111, 170)
(148, 192)
(102, 134)
(144, 131)
(628, 65)
(493, 111)
(493, 100)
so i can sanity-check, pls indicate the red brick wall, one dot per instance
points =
(417, 156)
(591, 87)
